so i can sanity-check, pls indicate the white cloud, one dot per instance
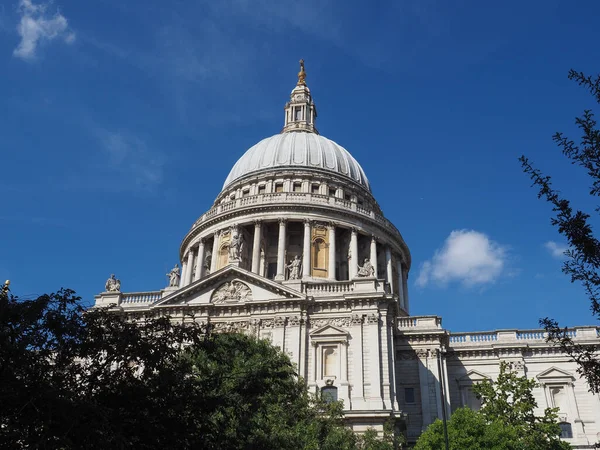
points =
(556, 250)
(38, 25)
(468, 257)
(130, 157)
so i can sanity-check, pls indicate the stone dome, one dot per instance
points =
(298, 150)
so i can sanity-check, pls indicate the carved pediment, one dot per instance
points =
(232, 291)
(555, 374)
(329, 333)
(472, 377)
(231, 284)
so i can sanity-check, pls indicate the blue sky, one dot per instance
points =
(120, 121)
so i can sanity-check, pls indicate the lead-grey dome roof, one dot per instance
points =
(298, 149)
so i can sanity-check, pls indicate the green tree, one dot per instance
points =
(506, 420)
(583, 256)
(72, 379)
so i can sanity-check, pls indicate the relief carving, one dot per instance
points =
(232, 291)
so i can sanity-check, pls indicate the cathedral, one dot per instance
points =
(296, 250)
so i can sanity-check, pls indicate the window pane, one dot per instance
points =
(566, 432)
(409, 395)
(329, 394)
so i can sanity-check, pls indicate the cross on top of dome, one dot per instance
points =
(300, 111)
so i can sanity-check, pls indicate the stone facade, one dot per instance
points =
(296, 250)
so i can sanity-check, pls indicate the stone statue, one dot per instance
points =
(367, 269)
(294, 267)
(236, 246)
(112, 284)
(174, 276)
(207, 261)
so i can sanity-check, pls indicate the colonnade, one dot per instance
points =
(194, 267)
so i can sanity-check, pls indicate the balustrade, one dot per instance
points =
(294, 197)
(140, 297)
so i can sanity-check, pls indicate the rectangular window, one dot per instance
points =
(245, 192)
(314, 188)
(278, 187)
(332, 191)
(298, 113)
(262, 189)
(297, 187)
(347, 197)
(409, 395)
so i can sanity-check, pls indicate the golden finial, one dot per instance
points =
(302, 74)
(5, 287)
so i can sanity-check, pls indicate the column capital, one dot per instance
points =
(307, 222)
(331, 225)
(201, 241)
(354, 230)
(374, 238)
(217, 233)
(282, 221)
(257, 223)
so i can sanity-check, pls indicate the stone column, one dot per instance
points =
(281, 251)
(184, 269)
(405, 288)
(388, 267)
(190, 262)
(331, 268)
(353, 269)
(215, 253)
(256, 246)
(373, 376)
(200, 261)
(373, 255)
(306, 250)
(400, 284)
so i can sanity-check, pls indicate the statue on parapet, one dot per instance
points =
(112, 284)
(294, 267)
(174, 276)
(367, 269)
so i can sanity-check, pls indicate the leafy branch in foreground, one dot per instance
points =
(583, 255)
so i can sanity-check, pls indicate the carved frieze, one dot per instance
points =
(335, 321)
(372, 319)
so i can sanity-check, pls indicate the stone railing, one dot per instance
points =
(460, 338)
(140, 297)
(298, 198)
(416, 323)
(328, 288)
(517, 336)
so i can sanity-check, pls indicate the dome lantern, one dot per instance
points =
(300, 111)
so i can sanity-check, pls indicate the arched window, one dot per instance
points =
(566, 432)
(329, 394)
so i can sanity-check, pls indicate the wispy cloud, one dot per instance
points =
(130, 157)
(468, 257)
(556, 250)
(38, 25)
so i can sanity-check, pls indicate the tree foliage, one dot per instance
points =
(583, 256)
(506, 421)
(72, 379)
